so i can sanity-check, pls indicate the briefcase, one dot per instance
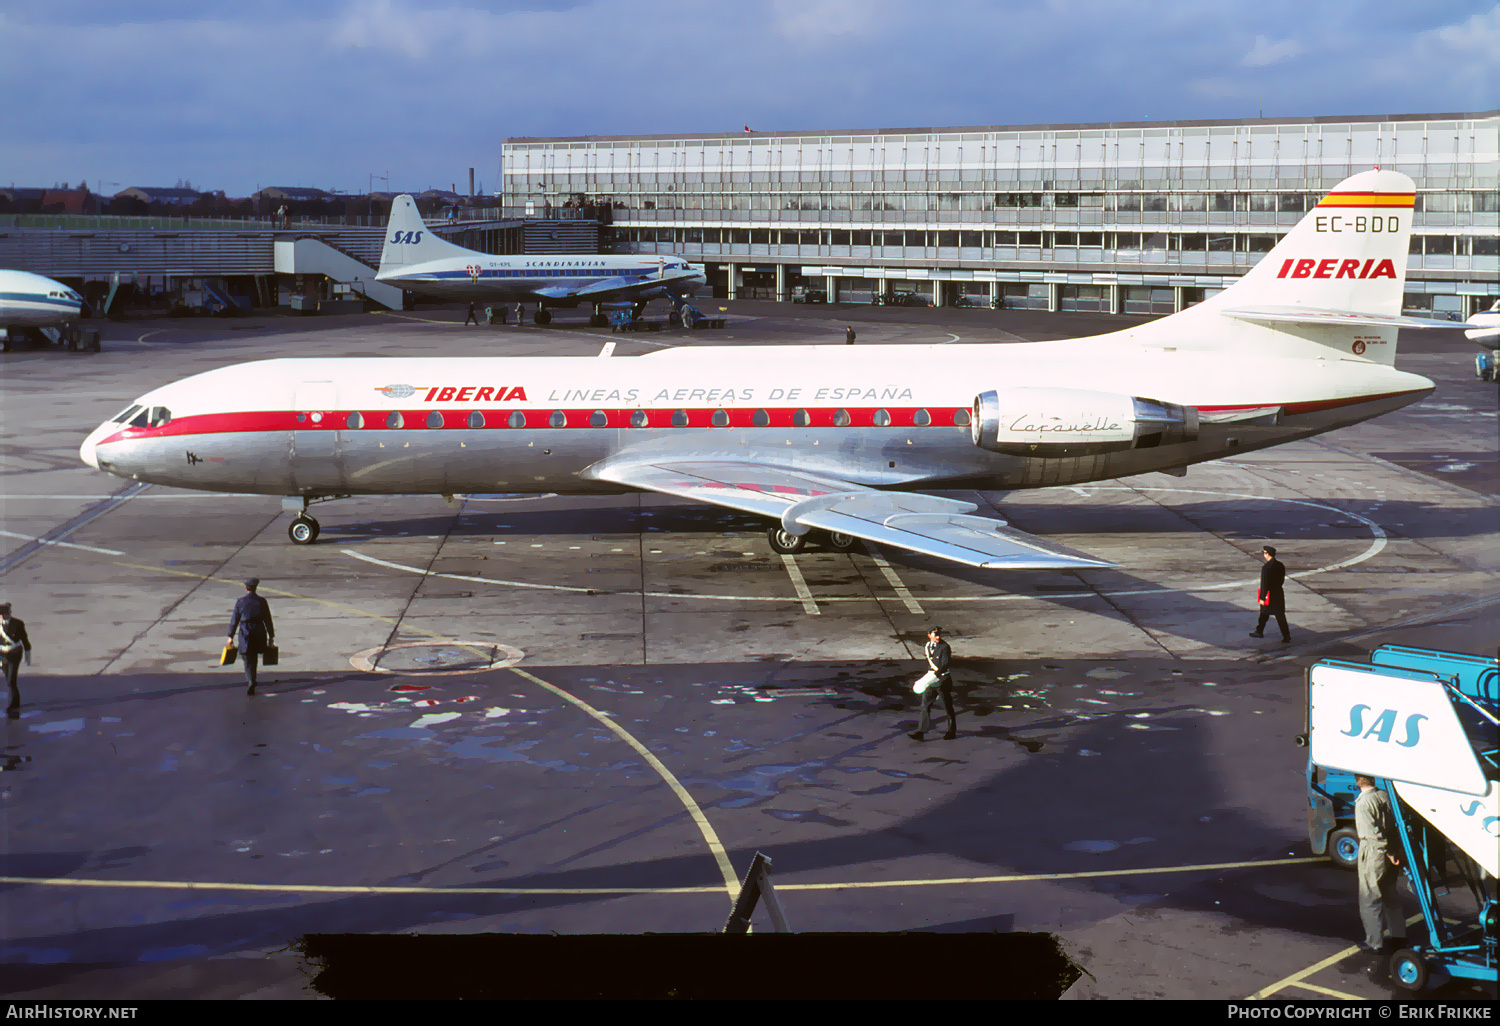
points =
(270, 655)
(228, 656)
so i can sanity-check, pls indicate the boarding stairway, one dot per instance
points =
(309, 255)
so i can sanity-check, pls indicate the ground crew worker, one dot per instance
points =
(251, 629)
(1269, 596)
(471, 317)
(14, 646)
(939, 655)
(1378, 868)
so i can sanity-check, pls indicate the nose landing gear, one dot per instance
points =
(303, 530)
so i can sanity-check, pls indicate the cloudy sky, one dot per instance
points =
(239, 95)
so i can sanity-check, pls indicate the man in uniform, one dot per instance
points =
(938, 657)
(1378, 869)
(14, 644)
(251, 629)
(1269, 596)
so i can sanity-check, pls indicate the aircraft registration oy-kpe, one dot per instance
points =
(826, 438)
(416, 260)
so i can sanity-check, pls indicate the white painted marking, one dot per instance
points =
(1376, 546)
(433, 719)
(949, 341)
(795, 573)
(893, 580)
(63, 544)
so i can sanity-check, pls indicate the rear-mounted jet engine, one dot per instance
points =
(1059, 422)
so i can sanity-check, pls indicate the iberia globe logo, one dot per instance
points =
(397, 391)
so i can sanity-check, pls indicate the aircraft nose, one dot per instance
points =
(89, 450)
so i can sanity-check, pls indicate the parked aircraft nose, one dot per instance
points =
(89, 450)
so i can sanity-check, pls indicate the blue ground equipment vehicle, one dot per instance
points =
(1424, 724)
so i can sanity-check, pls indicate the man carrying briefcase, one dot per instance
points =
(252, 631)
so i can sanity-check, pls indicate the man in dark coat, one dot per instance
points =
(251, 629)
(1269, 596)
(14, 644)
(939, 655)
(849, 335)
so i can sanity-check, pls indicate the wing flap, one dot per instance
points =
(929, 524)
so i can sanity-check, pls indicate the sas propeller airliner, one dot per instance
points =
(831, 439)
(415, 259)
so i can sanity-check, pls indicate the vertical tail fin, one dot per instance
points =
(1335, 279)
(409, 241)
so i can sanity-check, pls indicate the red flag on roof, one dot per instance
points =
(749, 129)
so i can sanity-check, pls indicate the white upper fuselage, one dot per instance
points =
(32, 301)
(480, 276)
(895, 414)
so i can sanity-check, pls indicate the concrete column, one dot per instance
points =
(831, 284)
(730, 270)
(1179, 302)
(1054, 297)
(1114, 299)
(781, 283)
(937, 293)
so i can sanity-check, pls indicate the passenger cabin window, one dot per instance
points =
(639, 419)
(558, 419)
(841, 418)
(679, 418)
(355, 421)
(761, 419)
(517, 419)
(721, 418)
(960, 418)
(394, 420)
(598, 419)
(801, 418)
(476, 419)
(434, 419)
(882, 419)
(922, 418)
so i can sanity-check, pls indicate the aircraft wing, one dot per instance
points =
(922, 523)
(607, 289)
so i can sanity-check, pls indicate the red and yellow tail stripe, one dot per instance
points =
(1369, 199)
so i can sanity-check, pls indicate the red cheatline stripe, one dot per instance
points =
(581, 417)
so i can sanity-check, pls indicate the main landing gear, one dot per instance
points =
(541, 316)
(785, 543)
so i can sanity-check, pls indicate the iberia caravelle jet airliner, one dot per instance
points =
(825, 438)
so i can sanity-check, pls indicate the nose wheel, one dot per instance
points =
(303, 530)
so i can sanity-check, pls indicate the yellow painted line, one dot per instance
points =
(800, 583)
(164, 885)
(704, 827)
(1297, 977)
(721, 857)
(1031, 877)
(1328, 991)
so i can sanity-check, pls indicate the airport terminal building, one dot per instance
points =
(1144, 217)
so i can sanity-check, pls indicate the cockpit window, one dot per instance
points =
(123, 417)
(159, 417)
(141, 417)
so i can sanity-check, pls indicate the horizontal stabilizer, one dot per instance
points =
(928, 524)
(1343, 318)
